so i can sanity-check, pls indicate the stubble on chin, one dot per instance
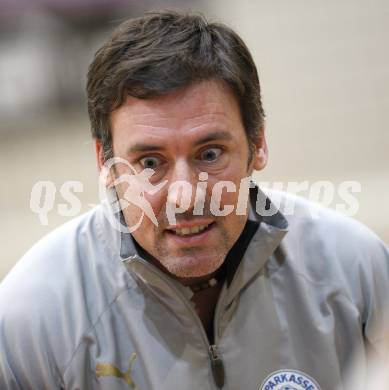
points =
(196, 261)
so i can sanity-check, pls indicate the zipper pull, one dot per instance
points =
(217, 366)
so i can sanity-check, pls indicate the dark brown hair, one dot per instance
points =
(165, 51)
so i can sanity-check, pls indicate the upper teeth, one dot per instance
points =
(190, 230)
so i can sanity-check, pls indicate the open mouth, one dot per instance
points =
(191, 231)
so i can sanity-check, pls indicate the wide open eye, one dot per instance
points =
(150, 162)
(210, 154)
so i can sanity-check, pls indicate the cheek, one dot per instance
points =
(229, 199)
(233, 176)
(236, 170)
(157, 202)
(131, 212)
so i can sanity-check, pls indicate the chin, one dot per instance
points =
(194, 267)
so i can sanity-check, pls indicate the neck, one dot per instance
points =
(195, 281)
(205, 303)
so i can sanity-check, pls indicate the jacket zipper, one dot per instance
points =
(217, 365)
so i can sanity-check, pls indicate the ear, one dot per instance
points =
(261, 152)
(99, 154)
(100, 161)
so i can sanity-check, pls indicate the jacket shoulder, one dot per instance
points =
(333, 249)
(58, 290)
(316, 221)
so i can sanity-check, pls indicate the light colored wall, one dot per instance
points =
(324, 70)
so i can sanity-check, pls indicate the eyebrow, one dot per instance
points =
(213, 136)
(141, 147)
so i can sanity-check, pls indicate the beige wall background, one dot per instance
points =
(324, 71)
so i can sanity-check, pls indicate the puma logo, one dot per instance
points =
(105, 369)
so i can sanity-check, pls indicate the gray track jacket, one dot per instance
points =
(82, 310)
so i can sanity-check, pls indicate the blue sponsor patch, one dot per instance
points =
(289, 380)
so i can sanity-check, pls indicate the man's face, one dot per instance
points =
(179, 135)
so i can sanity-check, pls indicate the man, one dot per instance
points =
(184, 279)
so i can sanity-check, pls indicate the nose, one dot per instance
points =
(181, 193)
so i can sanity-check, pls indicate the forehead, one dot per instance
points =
(194, 110)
